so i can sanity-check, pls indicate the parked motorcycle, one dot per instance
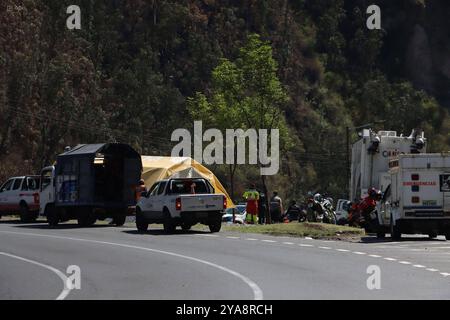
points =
(320, 211)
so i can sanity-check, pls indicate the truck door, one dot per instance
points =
(14, 195)
(157, 199)
(147, 203)
(444, 183)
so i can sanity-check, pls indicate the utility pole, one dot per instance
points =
(347, 146)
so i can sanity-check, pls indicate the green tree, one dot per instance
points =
(246, 94)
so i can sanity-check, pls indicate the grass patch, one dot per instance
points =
(296, 229)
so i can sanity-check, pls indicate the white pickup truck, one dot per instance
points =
(181, 202)
(20, 195)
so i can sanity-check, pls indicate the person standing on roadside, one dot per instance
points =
(252, 198)
(262, 208)
(276, 207)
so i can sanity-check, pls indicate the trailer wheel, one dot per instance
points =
(25, 214)
(395, 230)
(141, 223)
(169, 225)
(52, 215)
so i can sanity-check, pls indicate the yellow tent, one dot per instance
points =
(158, 168)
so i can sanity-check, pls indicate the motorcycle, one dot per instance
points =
(320, 212)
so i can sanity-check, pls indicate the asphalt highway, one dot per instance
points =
(119, 263)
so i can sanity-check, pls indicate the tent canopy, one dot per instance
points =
(158, 168)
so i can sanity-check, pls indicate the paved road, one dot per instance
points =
(119, 263)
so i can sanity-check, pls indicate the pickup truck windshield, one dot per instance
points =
(190, 186)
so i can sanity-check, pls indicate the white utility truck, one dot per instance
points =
(20, 195)
(416, 195)
(371, 155)
(181, 202)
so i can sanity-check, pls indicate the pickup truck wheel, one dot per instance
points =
(169, 225)
(25, 214)
(395, 231)
(141, 223)
(52, 215)
(215, 227)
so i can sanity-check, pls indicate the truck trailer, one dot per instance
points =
(90, 182)
(416, 196)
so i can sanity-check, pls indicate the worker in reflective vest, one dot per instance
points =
(252, 197)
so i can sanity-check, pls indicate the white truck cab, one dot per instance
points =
(46, 190)
(417, 199)
(181, 202)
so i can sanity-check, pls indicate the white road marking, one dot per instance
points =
(288, 242)
(390, 259)
(63, 277)
(358, 252)
(305, 245)
(270, 241)
(418, 266)
(257, 292)
(445, 274)
(207, 235)
(326, 248)
(404, 262)
(233, 237)
(432, 269)
(251, 239)
(374, 256)
(343, 250)
(308, 238)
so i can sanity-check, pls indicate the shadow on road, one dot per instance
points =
(62, 226)
(161, 232)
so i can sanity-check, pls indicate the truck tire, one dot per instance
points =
(52, 215)
(380, 233)
(432, 235)
(185, 226)
(86, 218)
(215, 227)
(169, 225)
(25, 214)
(119, 217)
(141, 223)
(447, 235)
(396, 234)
